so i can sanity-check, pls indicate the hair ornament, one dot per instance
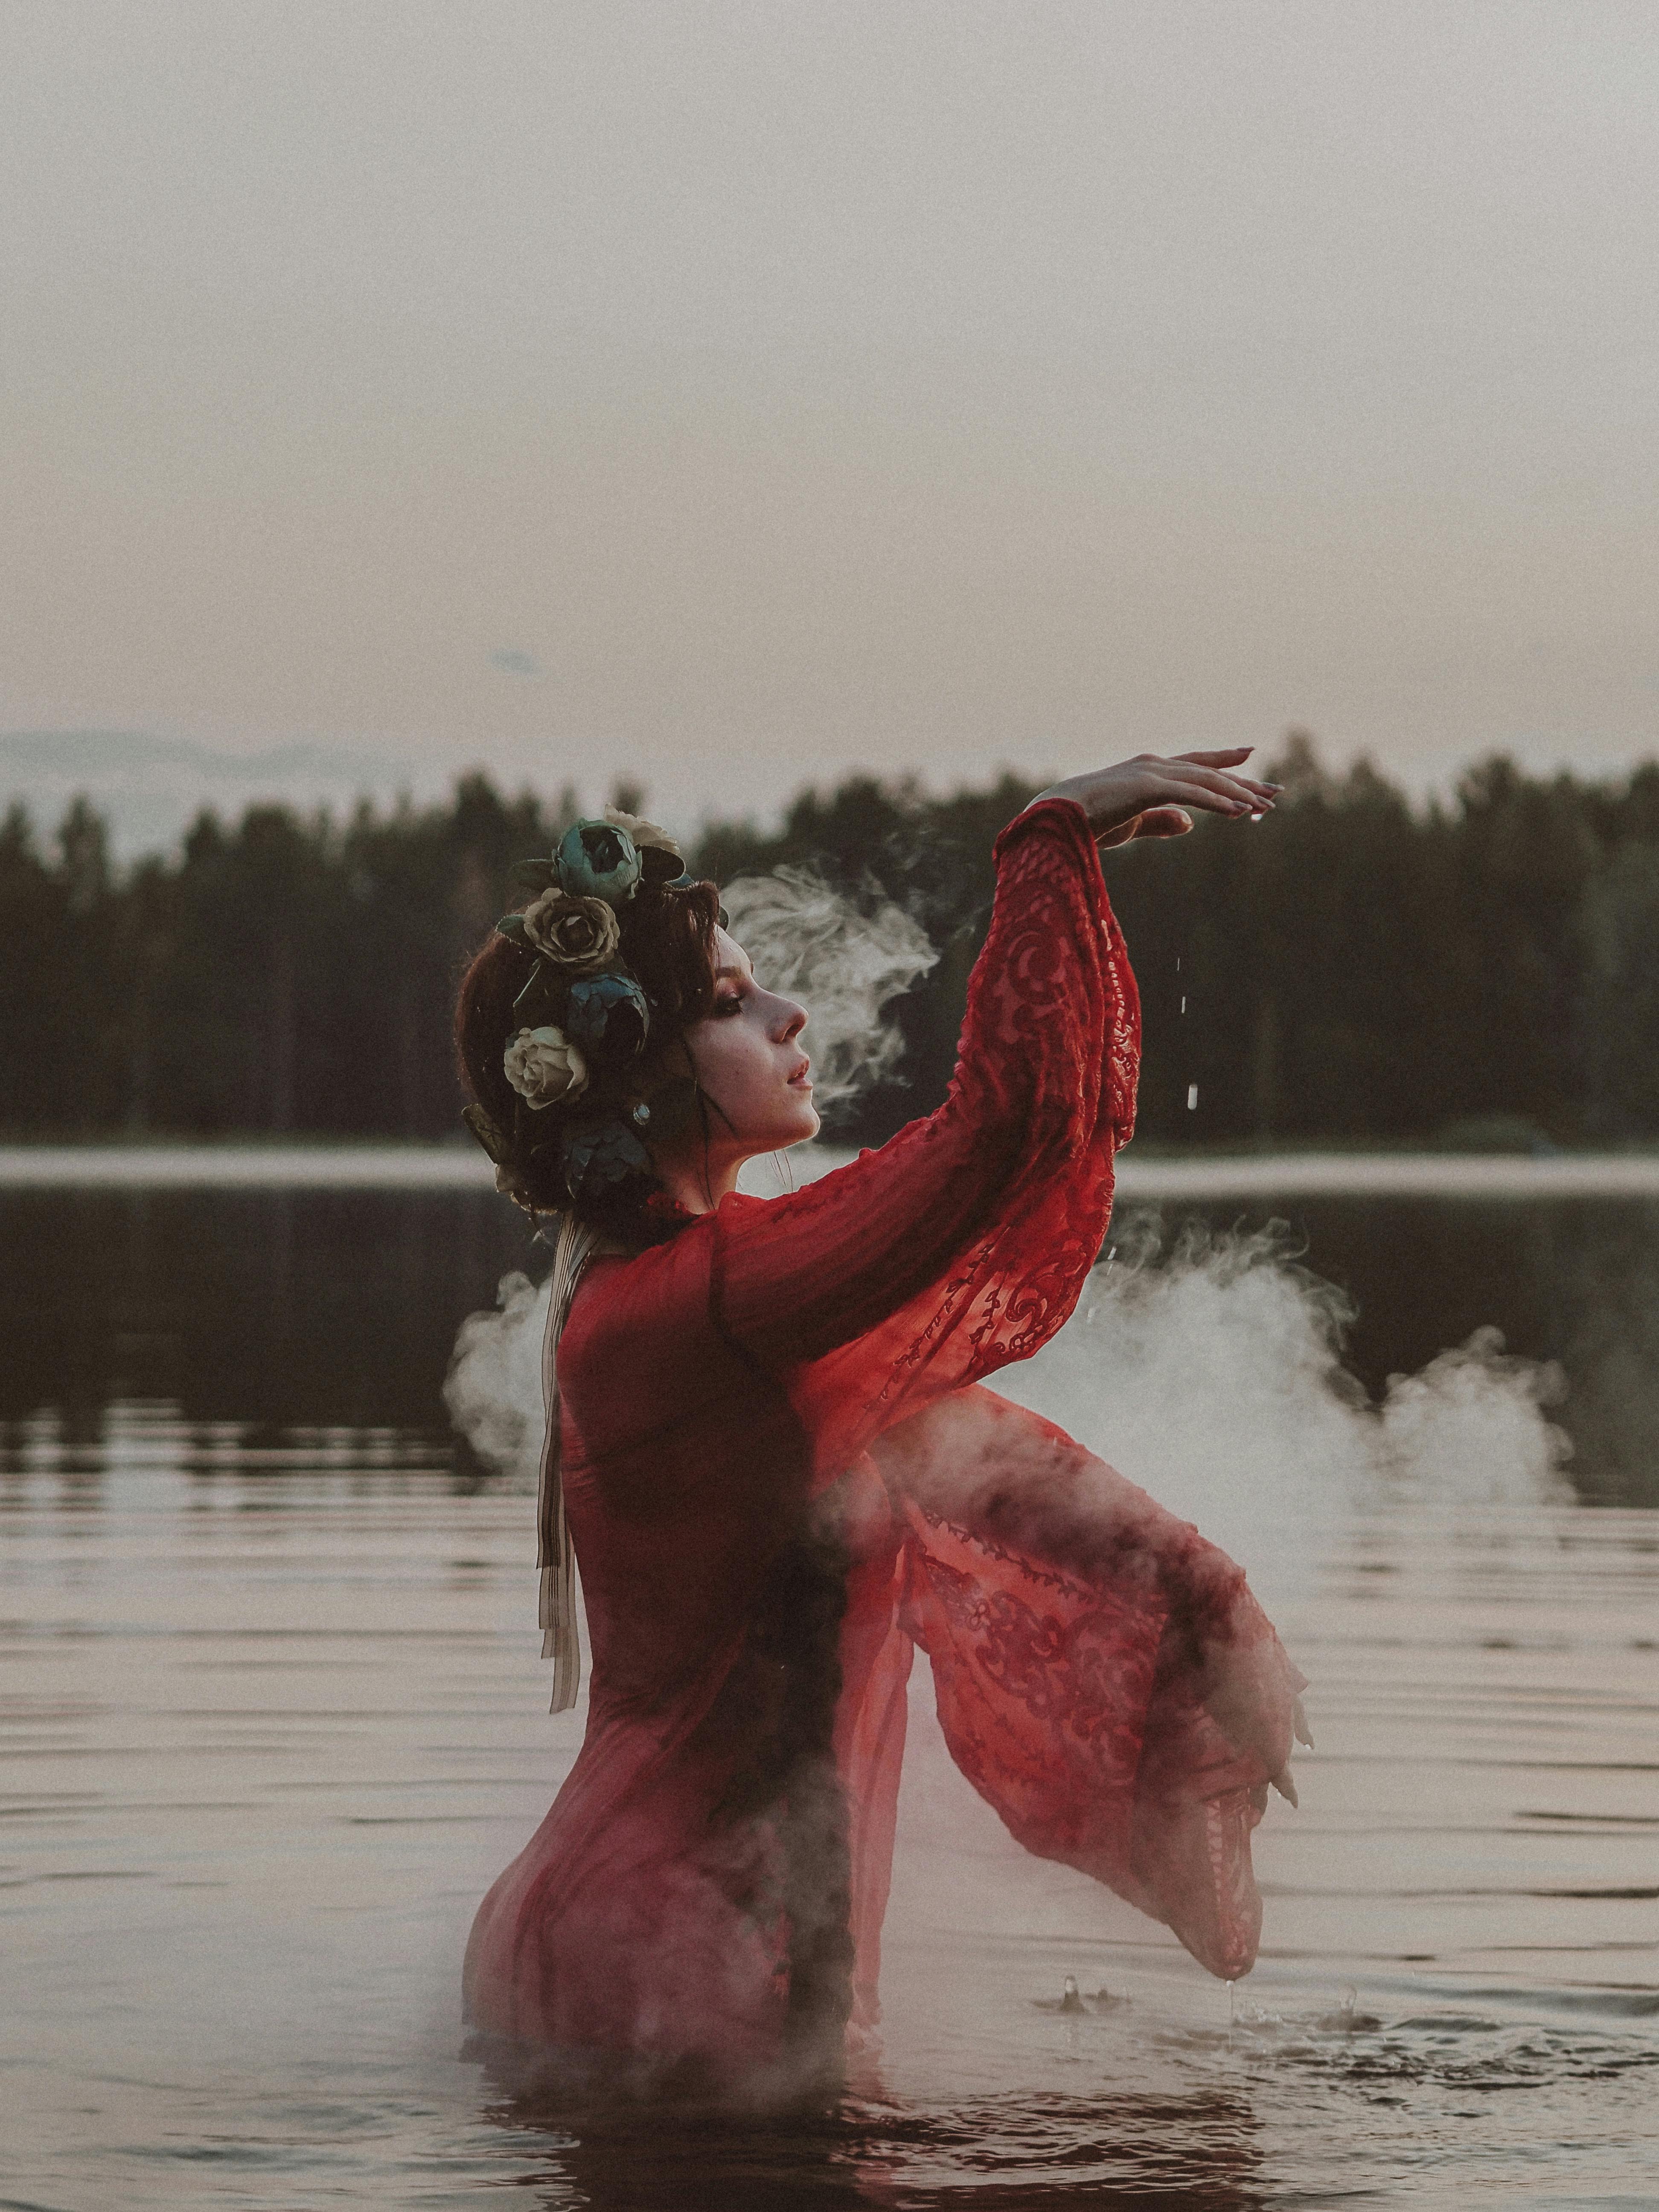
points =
(609, 1017)
(660, 860)
(581, 1018)
(598, 860)
(579, 934)
(599, 1153)
(544, 1067)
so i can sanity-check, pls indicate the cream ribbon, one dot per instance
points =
(562, 1635)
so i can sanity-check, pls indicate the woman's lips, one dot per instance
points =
(802, 1079)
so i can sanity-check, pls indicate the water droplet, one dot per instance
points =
(1183, 1005)
(1192, 1098)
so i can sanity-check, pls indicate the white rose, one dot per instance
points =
(645, 834)
(544, 1067)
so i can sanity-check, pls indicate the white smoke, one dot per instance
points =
(845, 966)
(1210, 1373)
(1471, 1427)
(494, 1386)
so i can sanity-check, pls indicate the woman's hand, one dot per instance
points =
(1147, 796)
(1246, 1690)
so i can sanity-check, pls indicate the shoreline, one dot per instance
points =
(313, 1166)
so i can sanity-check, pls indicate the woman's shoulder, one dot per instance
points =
(643, 1356)
(616, 1272)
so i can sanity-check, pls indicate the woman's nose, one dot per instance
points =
(791, 1021)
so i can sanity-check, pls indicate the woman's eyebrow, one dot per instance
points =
(741, 973)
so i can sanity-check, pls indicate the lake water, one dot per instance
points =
(274, 1715)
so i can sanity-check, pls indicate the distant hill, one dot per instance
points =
(149, 789)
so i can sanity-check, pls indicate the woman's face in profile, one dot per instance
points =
(748, 1059)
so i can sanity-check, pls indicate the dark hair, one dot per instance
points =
(668, 943)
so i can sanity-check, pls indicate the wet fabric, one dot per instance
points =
(783, 1474)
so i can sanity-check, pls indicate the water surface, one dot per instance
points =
(274, 1716)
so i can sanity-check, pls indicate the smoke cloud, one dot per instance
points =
(846, 966)
(494, 1386)
(1208, 1369)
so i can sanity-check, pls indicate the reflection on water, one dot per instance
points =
(274, 1715)
(1014, 2153)
(295, 1308)
(282, 1309)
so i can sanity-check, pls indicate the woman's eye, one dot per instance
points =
(731, 1004)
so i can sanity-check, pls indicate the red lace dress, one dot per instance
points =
(781, 1475)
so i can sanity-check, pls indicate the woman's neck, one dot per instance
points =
(698, 1185)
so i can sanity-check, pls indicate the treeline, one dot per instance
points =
(1353, 967)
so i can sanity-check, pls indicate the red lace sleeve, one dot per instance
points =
(962, 1244)
(1102, 1675)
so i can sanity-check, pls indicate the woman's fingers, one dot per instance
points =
(1197, 788)
(1162, 822)
(1303, 1733)
(1155, 822)
(1228, 762)
(1231, 761)
(1154, 779)
(1194, 776)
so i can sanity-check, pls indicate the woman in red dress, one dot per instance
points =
(772, 1449)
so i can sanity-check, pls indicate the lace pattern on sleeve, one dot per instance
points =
(962, 1244)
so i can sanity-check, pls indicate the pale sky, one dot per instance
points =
(740, 394)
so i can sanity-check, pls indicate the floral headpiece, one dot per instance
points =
(582, 1019)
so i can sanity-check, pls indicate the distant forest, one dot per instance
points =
(1352, 968)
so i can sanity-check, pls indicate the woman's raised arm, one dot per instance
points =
(1043, 1085)
(1011, 1177)
(962, 1244)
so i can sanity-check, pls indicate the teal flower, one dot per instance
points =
(660, 856)
(608, 1018)
(599, 1154)
(599, 860)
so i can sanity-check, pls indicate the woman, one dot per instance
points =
(780, 1471)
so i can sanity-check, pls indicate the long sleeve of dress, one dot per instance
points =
(962, 1244)
(1103, 1676)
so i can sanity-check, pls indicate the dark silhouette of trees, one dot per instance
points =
(1352, 968)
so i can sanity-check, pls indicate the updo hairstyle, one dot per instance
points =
(668, 943)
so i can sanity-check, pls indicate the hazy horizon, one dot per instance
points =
(148, 792)
(736, 397)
